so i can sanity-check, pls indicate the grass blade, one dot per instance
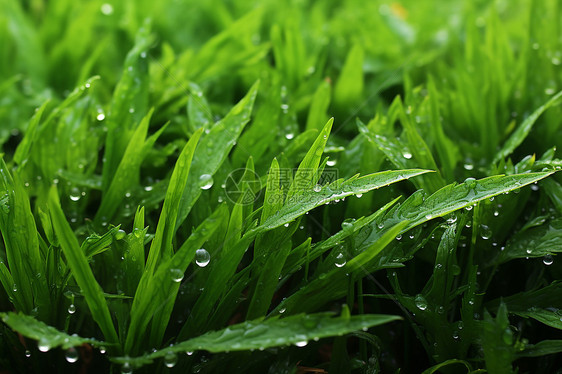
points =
(80, 269)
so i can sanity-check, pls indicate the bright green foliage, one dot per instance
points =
(220, 177)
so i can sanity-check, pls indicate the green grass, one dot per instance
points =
(280, 187)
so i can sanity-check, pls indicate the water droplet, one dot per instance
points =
(317, 188)
(126, 368)
(421, 302)
(189, 353)
(43, 345)
(548, 259)
(131, 109)
(468, 166)
(347, 224)
(407, 155)
(340, 260)
(301, 343)
(282, 310)
(468, 208)
(148, 188)
(107, 9)
(359, 195)
(120, 234)
(206, 181)
(102, 350)
(27, 353)
(286, 224)
(202, 257)
(289, 136)
(170, 359)
(71, 355)
(485, 232)
(399, 237)
(177, 275)
(331, 163)
(72, 309)
(529, 251)
(470, 182)
(15, 287)
(428, 216)
(285, 108)
(452, 219)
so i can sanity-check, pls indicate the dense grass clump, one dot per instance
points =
(280, 187)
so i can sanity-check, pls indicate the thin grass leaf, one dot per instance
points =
(48, 337)
(543, 348)
(161, 246)
(126, 175)
(274, 332)
(156, 294)
(337, 190)
(213, 150)
(540, 241)
(524, 129)
(80, 269)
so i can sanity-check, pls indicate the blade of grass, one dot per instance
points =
(80, 269)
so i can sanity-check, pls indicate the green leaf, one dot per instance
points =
(48, 337)
(337, 190)
(161, 246)
(213, 150)
(126, 175)
(80, 269)
(524, 129)
(546, 347)
(274, 332)
(540, 241)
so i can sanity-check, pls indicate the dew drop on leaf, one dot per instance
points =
(202, 257)
(71, 355)
(27, 353)
(470, 182)
(171, 359)
(317, 188)
(43, 345)
(120, 235)
(485, 232)
(205, 181)
(421, 302)
(331, 163)
(126, 368)
(176, 274)
(347, 224)
(340, 260)
(75, 194)
(548, 259)
(71, 309)
(407, 155)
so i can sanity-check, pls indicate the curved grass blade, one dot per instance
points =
(126, 175)
(535, 242)
(213, 150)
(304, 202)
(162, 244)
(274, 332)
(80, 269)
(524, 129)
(47, 336)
